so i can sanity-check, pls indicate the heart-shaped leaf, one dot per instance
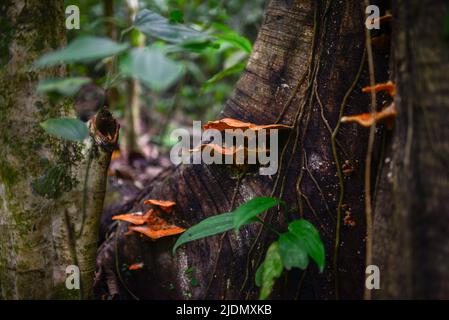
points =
(157, 26)
(310, 238)
(152, 67)
(293, 251)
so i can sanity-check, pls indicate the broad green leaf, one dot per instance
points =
(152, 67)
(239, 67)
(157, 26)
(176, 16)
(221, 27)
(292, 251)
(249, 210)
(208, 227)
(199, 46)
(311, 240)
(271, 269)
(66, 86)
(83, 49)
(196, 46)
(66, 128)
(235, 40)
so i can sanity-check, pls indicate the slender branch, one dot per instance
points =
(369, 154)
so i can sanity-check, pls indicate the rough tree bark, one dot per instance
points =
(411, 215)
(49, 210)
(306, 70)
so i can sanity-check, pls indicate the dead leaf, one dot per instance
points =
(167, 206)
(151, 232)
(389, 86)
(229, 123)
(136, 266)
(387, 115)
(136, 218)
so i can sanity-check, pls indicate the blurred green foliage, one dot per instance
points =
(194, 53)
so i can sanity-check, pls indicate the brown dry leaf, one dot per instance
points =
(388, 86)
(136, 266)
(167, 206)
(229, 123)
(154, 232)
(387, 115)
(136, 218)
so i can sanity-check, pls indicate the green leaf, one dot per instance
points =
(65, 86)
(259, 275)
(208, 227)
(157, 26)
(152, 67)
(311, 240)
(66, 128)
(244, 214)
(235, 40)
(239, 67)
(83, 49)
(248, 211)
(199, 46)
(176, 16)
(292, 251)
(269, 270)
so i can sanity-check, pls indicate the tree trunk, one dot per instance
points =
(306, 70)
(51, 192)
(411, 246)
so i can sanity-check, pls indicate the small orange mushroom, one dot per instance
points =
(167, 206)
(156, 233)
(136, 266)
(387, 115)
(136, 218)
(388, 86)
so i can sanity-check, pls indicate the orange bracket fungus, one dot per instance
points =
(387, 115)
(389, 86)
(229, 123)
(151, 224)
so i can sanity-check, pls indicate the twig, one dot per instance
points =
(369, 153)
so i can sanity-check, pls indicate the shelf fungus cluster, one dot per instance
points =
(386, 115)
(152, 223)
(232, 141)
